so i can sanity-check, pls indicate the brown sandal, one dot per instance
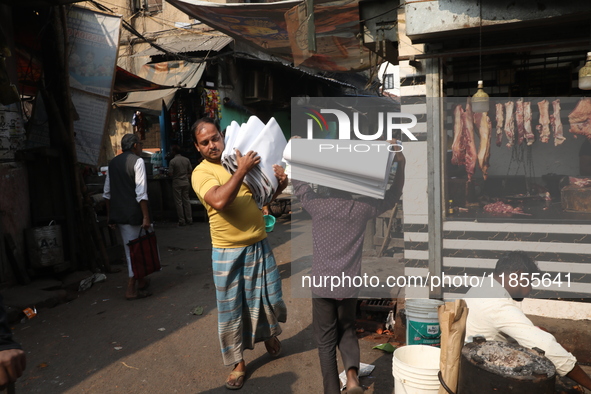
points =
(235, 375)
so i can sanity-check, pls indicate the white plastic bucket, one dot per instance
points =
(415, 369)
(422, 322)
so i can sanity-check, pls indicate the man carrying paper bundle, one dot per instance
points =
(338, 229)
(248, 286)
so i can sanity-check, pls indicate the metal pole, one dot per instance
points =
(311, 26)
(435, 174)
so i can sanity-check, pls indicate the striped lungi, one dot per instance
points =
(249, 298)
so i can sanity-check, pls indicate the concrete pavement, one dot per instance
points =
(102, 343)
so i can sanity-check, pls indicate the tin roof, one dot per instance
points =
(281, 29)
(192, 43)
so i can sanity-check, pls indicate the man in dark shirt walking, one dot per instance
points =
(180, 170)
(338, 228)
(126, 195)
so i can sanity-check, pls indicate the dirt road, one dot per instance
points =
(101, 343)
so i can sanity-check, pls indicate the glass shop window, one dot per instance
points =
(388, 81)
(527, 158)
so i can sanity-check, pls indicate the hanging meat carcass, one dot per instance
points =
(519, 119)
(556, 123)
(544, 126)
(580, 118)
(463, 146)
(529, 134)
(468, 140)
(500, 119)
(482, 121)
(458, 152)
(509, 123)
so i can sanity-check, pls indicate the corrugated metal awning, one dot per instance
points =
(149, 101)
(248, 56)
(128, 82)
(192, 43)
(177, 73)
(41, 3)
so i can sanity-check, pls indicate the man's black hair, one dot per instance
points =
(128, 140)
(199, 122)
(514, 262)
(329, 192)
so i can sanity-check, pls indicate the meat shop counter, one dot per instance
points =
(530, 212)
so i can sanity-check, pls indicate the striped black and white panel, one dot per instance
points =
(474, 248)
(416, 246)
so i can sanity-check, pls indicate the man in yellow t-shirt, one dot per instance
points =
(248, 287)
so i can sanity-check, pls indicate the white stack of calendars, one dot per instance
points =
(359, 167)
(268, 142)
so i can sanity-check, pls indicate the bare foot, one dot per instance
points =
(353, 386)
(273, 346)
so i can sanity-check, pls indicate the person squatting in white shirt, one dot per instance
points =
(495, 314)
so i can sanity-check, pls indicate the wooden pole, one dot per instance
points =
(388, 230)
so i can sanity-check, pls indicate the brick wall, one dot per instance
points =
(152, 140)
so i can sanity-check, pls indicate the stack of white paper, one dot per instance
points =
(268, 142)
(360, 167)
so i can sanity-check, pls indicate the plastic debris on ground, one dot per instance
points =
(364, 370)
(198, 310)
(30, 312)
(87, 283)
(390, 322)
(387, 347)
(98, 278)
(162, 329)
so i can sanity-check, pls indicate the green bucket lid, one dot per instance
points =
(269, 222)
